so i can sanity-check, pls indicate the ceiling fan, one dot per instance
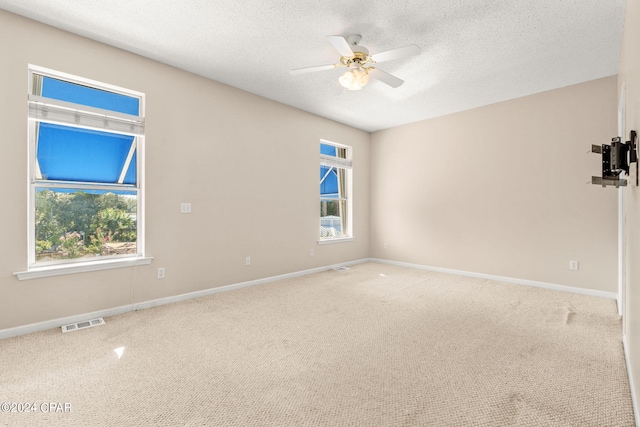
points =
(360, 64)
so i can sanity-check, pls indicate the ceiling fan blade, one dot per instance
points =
(401, 52)
(311, 69)
(385, 77)
(341, 45)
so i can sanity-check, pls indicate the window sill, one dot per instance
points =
(59, 270)
(336, 240)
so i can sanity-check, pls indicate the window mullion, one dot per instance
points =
(81, 108)
(85, 186)
(66, 113)
(333, 161)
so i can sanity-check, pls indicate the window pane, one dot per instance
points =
(327, 150)
(334, 197)
(328, 181)
(71, 154)
(331, 217)
(78, 94)
(73, 224)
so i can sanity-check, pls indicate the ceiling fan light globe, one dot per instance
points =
(347, 79)
(362, 77)
(354, 79)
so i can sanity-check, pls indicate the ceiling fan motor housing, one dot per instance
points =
(358, 58)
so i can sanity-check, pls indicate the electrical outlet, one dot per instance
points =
(573, 265)
(311, 252)
(386, 245)
(247, 261)
(161, 273)
(185, 208)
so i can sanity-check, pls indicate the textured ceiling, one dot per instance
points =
(474, 52)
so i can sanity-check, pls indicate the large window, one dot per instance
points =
(335, 191)
(85, 154)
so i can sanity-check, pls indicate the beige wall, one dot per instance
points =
(629, 76)
(502, 190)
(248, 165)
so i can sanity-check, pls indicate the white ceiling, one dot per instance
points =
(474, 52)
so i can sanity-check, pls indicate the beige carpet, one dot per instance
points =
(376, 345)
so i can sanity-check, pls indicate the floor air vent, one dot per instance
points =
(83, 325)
(341, 269)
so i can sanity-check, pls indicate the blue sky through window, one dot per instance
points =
(66, 153)
(328, 185)
(328, 150)
(80, 155)
(78, 94)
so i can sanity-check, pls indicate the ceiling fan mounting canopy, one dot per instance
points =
(353, 39)
(354, 44)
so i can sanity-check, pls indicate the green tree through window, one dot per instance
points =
(79, 224)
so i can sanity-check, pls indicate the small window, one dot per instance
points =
(85, 152)
(335, 191)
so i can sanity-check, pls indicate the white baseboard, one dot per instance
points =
(56, 323)
(632, 384)
(533, 283)
(211, 291)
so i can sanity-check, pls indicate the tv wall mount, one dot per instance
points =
(616, 158)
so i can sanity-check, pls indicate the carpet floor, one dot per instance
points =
(375, 345)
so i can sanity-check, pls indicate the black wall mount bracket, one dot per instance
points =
(616, 158)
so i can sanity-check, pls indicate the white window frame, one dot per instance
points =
(347, 165)
(49, 110)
